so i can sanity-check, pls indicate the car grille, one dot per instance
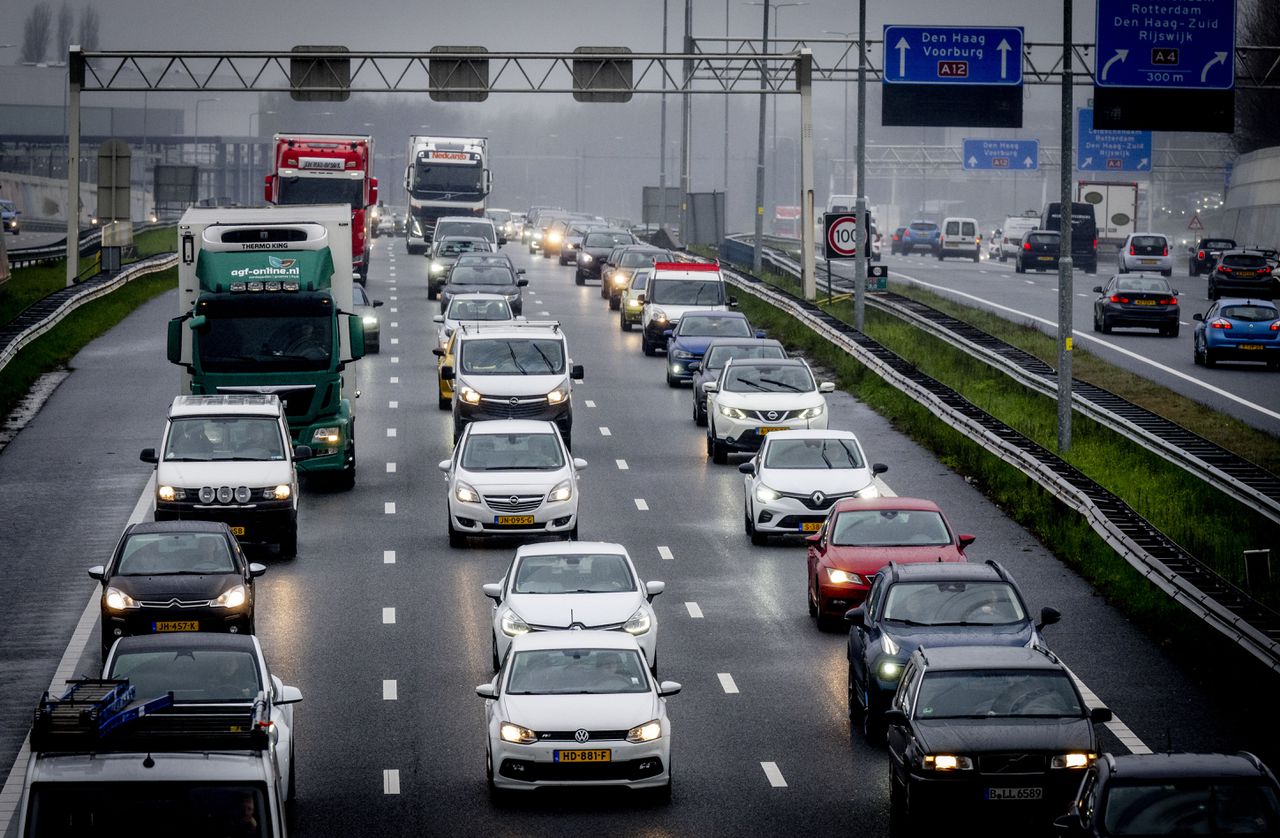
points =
(809, 503)
(503, 408)
(174, 603)
(1013, 764)
(504, 503)
(774, 415)
(568, 735)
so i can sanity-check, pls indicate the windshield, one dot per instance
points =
(718, 356)
(481, 275)
(636, 258)
(606, 573)
(513, 356)
(148, 554)
(456, 247)
(1191, 806)
(1218, 244)
(1244, 260)
(1044, 238)
(201, 438)
(812, 453)
(448, 182)
(191, 673)
(639, 280)
(148, 810)
(718, 327)
(985, 694)
(499, 216)
(464, 309)
(321, 190)
(608, 239)
(577, 672)
(687, 292)
(466, 229)
(1148, 241)
(294, 342)
(1251, 313)
(1142, 285)
(755, 378)
(923, 226)
(889, 528)
(478, 258)
(954, 604)
(512, 452)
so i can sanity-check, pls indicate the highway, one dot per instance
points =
(384, 628)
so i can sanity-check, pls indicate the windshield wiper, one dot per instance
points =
(512, 351)
(790, 387)
(538, 349)
(916, 623)
(518, 468)
(754, 384)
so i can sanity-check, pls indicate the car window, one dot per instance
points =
(720, 355)
(608, 239)
(481, 275)
(1147, 241)
(720, 327)
(986, 603)
(192, 674)
(968, 229)
(768, 379)
(874, 596)
(1144, 285)
(576, 672)
(1044, 238)
(604, 573)
(639, 280)
(1244, 260)
(923, 226)
(464, 309)
(475, 229)
(986, 694)
(953, 228)
(889, 528)
(1217, 244)
(636, 258)
(687, 292)
(147, 554)
(139, 808)
(906, 689)
(359, 296)
(812, 453)
(227, 438)
(512, 452)
(512, 356)
(1250, 313)
(1191, 807)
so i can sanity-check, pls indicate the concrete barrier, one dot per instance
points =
(1251, 213)
(43, 201)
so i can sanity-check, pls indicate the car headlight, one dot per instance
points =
(512, 625)
(562, 492)
(871, 491)
(370, 320)
(118, 600)
(517, 734)
(437, 267)
(681, 355)
(232, 597)
(465, 493)
(634, 304)
(585, 258)
(646, 732)
(168, 494)
(842, 577)
(553, 237)
(811, 412)
(763, 493)
(732, 412)
(556, 396)
(281, 492)
(537, 234)
(1072, 760)
(470, 396)
(619, 278)
(330, 436)
(639, 623)
(947, 762)
(658, 315)
(889, 670)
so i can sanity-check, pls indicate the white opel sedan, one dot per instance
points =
(791, 483)
(571, 708)
(578, 585)
(756, 397)
(511, 477)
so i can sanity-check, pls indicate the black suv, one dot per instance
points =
(1245, 272)
(1084, 232)
(1040, 250)
(1175, 794)
(932, 605)
(993, 731)
(1204, 255)
(597, 244)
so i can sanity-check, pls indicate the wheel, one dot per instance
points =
(851, 697)
(1167, 273)
(626, 324)
(811, 601)
(432, 293)
(1096, 326)
(1213, 290)
(615, 303)
(719, 451)
(1123, 269)
(699, 415)
(345, 480)
(975, 257)
(1106, 325)
(1173, 330)
(1018, 269)
(444, 402)
(873, 726)
(289, 543)
(456, 539)
(758, 538)
(493, 651)
(1196, 357)
(567, 436)
(561, 260)
(672, 382)
(578, 278)
(372, 347)
(604, 288)
(497, 796)
(647, 347)
(1091, 269)
(1209, 360)
(900, 823)
(662, 793)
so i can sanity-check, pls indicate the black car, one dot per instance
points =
(1245, 272)
(895, 241)
(1204, 255)
(1175, 794)
(984, 733)
(1084, 232)
(596, 247)
(1139, 300)
(484, 279)
(933, 604)
(176, 576)
(1040, 251)
(718, 353)
(622, 262)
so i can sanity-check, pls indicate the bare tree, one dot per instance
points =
(35, 33)
(89, 28)
(66, 31)
(1256, 109)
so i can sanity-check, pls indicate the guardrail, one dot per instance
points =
(90, 243)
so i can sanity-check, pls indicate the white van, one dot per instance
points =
(1014, 230)
(959, 237)
(466, 226)
(676, 288)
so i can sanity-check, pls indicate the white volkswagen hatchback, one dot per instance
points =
(478, 307)
(579, 585)
(791, 483)
(755, 397)
(511, 477)
(573, 708)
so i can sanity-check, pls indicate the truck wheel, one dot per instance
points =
(445, 403)
(346, 480)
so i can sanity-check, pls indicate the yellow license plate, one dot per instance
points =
(1245, 274)
(177, 625)
(1046, 258)
(1144, 302)
(514, 520)
(810, 526)
(577, 755)
(769, 429)
(1250, 346)
(237, 531)
(1150, 262)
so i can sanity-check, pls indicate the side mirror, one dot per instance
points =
(493, 591)
(521, 283)
(488, 691)
(667, 688)
(710, 387)
(966, 539)
(879, 468)
(446, 372)
(98, 572)
(1099, 715)
(289, 695)
(579, 464)
(443, 465)
(640, 299)
(1176, 292)
(895, 718)
(173, 348)
(652, 589)
(827, 387)
(438, 352)
(856, 616)
(439, 318)
(1048, 616)
(749, 467)
(733, 302)
(148, 455)
(377, 303)
(668, 333)
(520, 271)
(302, 452)
(577, 373)
(256, 570)
(1097, 289)
(1198, 317)
(694, 366)
(761, 333)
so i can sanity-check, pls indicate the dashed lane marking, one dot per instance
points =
(622, 465)
(665, 553)
(395, 359)
(389, 690)
(391, 431)
(727, 683)
(391, 468)
(694, 611)
(1121, 730)
(395, 324)
(642, 504)
(388, 556)
(589, 403)
(605, 431)
(394, 341)
(774, 774)
(395, 379)
(391, 781)
(388, 616)
(389, 507)
(392, 405)
(394, 310)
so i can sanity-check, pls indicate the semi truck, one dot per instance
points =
(1115, 206)
(328, 169)
(264, 299)
(443, 176)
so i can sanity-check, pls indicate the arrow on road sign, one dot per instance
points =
(1218, 58)
(1028, 162)
(1004, 57)
(973, 161)
(1088, 161)
(1142, 164)
(902, 48)
(1121, 55)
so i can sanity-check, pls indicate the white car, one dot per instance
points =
(579, 585)
(1146, 252)
(755, 397)
(796, 477)
(676, 288)
(959, 238)
(575, 708)
(478, 307)
(511, 477)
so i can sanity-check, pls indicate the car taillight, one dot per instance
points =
(1006, 240)
(1264, 270)
(1220, 324)
(1095, 242)
(1132, 252)
(1166, 251)
(1026, 245)
(1169, 301)
(1226, 269)
(1116, 298)
(1275, 327)
(1200, 255)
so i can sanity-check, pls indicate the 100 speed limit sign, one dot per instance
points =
(842, 235)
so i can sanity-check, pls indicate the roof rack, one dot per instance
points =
(473, 326)
(99, 715)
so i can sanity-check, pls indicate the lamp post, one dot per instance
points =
(844, 148)
(259, 115)
(662, 131)
(773, 192)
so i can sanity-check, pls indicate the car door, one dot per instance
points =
(818, 547)
(898, 736)
(862, 637)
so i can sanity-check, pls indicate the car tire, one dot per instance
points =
(1017, 267)
(1091, 269)
(456, 539)
(1106, 325)
(1172, 331)
(1122, 269)
(810, 601)
(976, 257)
(578, 279)
(1209, 360)
(1096, 326)
(672, 382)
(873, 724)
(373, 348)
(432, 293)
(758, 537)
(493, 652)
(615, 303)
(604, 288)
(1167, 273)
(1212, 291)
(626, 324)
(497, 796)
(289, 543)
(699, 415)
(345, 480)
(444, 403)
(900, 823)
(1196, 357)
(719, 452)
(647, 347)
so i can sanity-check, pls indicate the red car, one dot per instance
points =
(861, 536)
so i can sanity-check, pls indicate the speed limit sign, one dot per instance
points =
(841, 235)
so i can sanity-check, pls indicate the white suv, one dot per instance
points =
(756, 396)
(511, 477)
(1146, 252)
(676, 288)
(959, 238)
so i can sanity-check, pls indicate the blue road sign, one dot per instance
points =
(1110, 151)
(1002, 155)
(1188, 44)
(953, 55)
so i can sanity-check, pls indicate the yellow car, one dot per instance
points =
(445, 359)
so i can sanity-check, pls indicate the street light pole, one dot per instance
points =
(662, 131)
(1065, 266)
(862, 234)
(756, 251)
(844, 148)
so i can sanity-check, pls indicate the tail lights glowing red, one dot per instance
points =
(1166, 251)
(1095, 242)
(1220, 324)
(1116, 298)
(1200, 255)
(1275, 327)
(1168, 301)
(1026, 245)
(1132, 251)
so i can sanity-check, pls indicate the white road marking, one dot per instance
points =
(642, 504)
(1029, 282)
(694, 611)
(605, 431)
(391, 781)
(388, 616)
(389, 508)
(885, 491)
(395, 324)
(1121, 730)
(589, 403)
(392, 405)
(389, 692)
(726, 682)
(393, 308)
(391, 468)
(544, 314)
(775, 776)
(388, 556)
(391, 431)
(1086, 296)
(393, 299)
(665, 552)
(981, 271)
(537, 302)
(622, 465)
(395, 341)
(395, 359)
(395, 379)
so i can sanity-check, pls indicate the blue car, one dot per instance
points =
(920, 235)
(1238, 330)
(688, 342)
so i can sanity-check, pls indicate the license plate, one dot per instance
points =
(1245, 274)
(1250, 346)
(1150, 261)
(578, 755)
(1015, 794)
(513, 520)
(810, 526)
(237, 531)
(176, 625)
(1144, 302)
(1046, 258)
(768, 428)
